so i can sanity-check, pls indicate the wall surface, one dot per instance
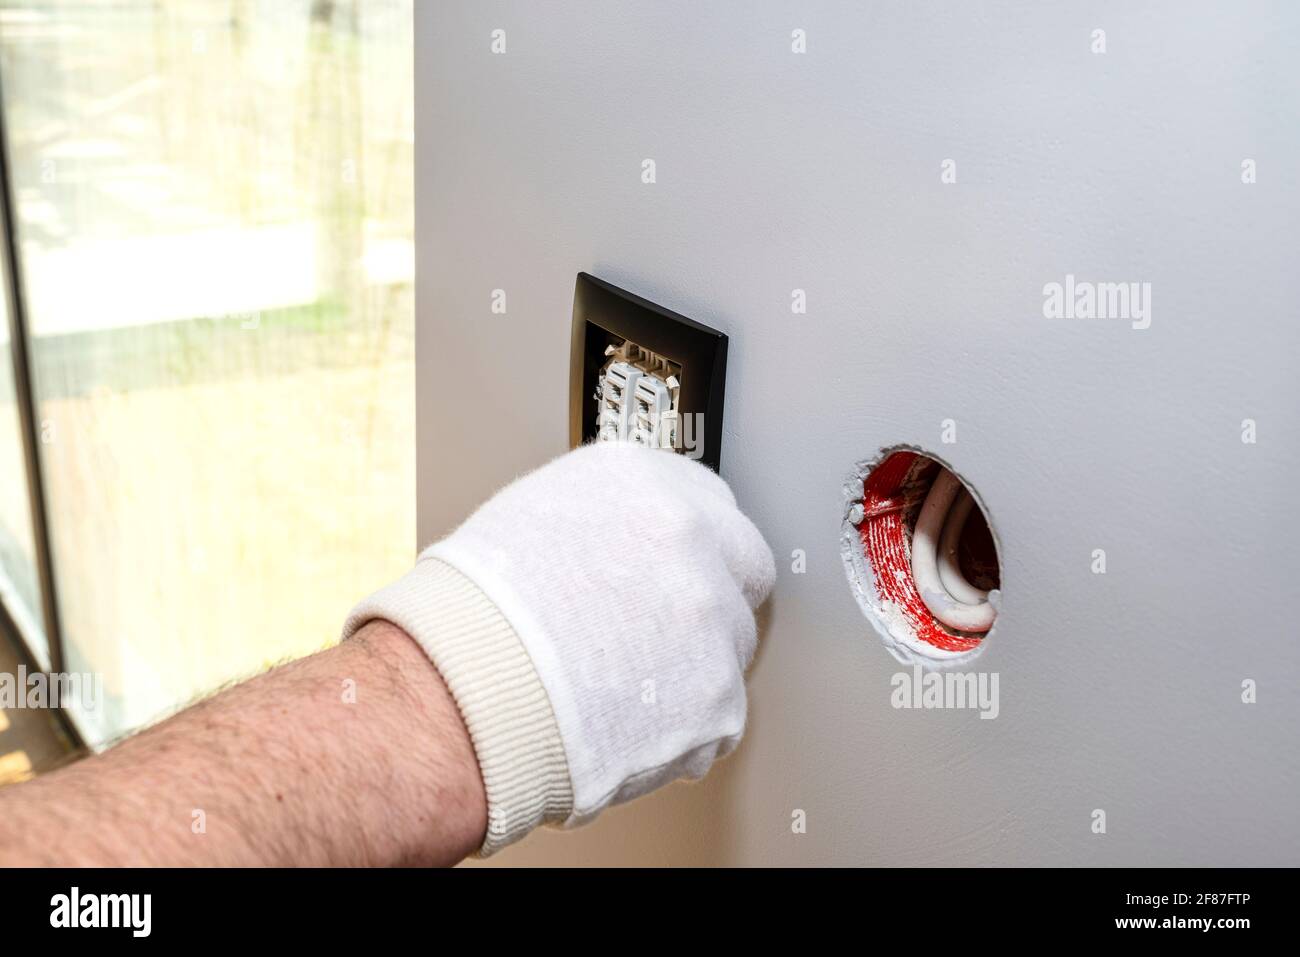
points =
(822, 171)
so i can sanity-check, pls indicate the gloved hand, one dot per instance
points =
(593, 621)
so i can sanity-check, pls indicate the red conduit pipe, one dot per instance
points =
(884, 542)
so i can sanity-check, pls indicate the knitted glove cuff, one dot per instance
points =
(496, 687)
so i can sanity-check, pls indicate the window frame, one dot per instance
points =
(29, 428)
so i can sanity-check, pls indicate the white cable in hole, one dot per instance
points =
(944, 589)
(950, 573)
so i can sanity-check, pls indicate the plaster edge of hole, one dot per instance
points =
(903, 644)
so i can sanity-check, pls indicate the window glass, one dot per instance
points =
(19, 586)
(213, 203)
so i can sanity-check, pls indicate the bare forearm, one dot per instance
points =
(354, 756)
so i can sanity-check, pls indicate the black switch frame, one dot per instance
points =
(604, 315)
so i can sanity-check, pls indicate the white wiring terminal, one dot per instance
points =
(616, 387)
(637, 395)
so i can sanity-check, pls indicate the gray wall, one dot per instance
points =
(821, 171)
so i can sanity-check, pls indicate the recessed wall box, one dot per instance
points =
(645, 374)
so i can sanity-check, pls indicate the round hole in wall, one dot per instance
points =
(921, 557)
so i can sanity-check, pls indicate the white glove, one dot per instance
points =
(593, 621)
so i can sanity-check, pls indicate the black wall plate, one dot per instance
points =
(605, 315)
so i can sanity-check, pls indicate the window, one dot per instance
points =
(19, 586)
(213, 205)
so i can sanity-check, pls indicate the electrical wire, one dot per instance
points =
(938, 577)
(950, 573)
